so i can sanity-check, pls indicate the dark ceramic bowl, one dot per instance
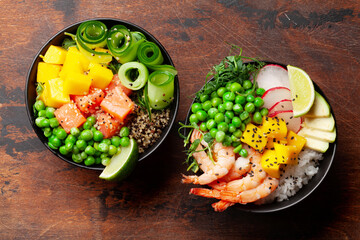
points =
(306, 190)
(30, 89)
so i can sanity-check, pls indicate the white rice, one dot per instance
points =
(294, 177)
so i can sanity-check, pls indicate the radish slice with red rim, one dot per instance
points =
(274, 95)
(271, 76)
(283, 105)
(292, 123)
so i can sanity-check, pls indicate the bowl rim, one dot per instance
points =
(174, 104)
(264, 207)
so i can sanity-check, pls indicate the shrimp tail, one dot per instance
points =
(221, 205)
(190, 179)
(204, 192)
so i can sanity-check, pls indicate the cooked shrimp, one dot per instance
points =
(224, 161)
(221, 205)
(248, 196)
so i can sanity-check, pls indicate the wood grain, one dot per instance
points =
(43, 197)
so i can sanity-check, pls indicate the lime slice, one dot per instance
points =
(122, 164)
(302, 91)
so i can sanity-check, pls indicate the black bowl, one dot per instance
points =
(306, 190)
(30, 89)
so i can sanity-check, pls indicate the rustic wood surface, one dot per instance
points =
(43, 197)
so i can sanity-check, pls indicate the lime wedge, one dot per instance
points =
(302, 91)
(122, 164)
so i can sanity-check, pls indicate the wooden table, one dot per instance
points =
(43, 197)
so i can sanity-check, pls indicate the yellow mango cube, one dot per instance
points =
(54, 94)
(55, 55)
(75, 61)
(47, 71)
(285, 154)
(274, 127)
(254, 137)
(100, 76)
(270, 163)
(296, 140)
(77, 83)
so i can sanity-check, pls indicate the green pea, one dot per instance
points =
(201, 115)
(243, 152)
(193, 118)
(257, 118)
(249, 92)
(249, 107)
(219, 117)
(76, 157)
(258, 102)
(237, 149)
(250, 98)
(204, 97)
(235, 139)
(112, 150)
(97, 153)
(55, 141)
(210, 124)
(229, 114)
(243, 127)
(220, 92)
(87, 125)
(232, 128)
(264, 112)
(91, 119)
(248, 120)
(61, 134)
(106, 141)
(86, 135)
(42, 113)
(45, 122)
(90, 160)
(38, 121)
(97, 160)
(235, 87)
(52, 146)
(221, 108)
(53, 122)
(212, 112)
(203, 127)
(81, 144)
(220, 136)
(93, 129)
(70, 139)
(103, 147)
(47, 132)
(125, 141)
(240, 100)
(237, 133)
(244, 115)
(75, 149)
(223, 126)
(104, 155)
(227, 141)
(227, 120)
(75, 132)
(98, 136)
(228, 86)
(39, 105)
(63, 150)
(89, 150)
(83, 155)
(236, 121)
(228, 105)
(207, 105)
(214, 94)
(216, 101)
(260, 92)
(235, 144)
(124, 132)
(50, 112)
(105, 161)
(196, 107)
(115, 140)
(213, 132)
(229, 96)
(247, 84)
(69, 146)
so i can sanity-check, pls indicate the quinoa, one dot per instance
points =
(147, 133)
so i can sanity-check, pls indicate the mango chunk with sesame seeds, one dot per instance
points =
(254, 137)
(100, 76)
(270, 164)
(272, 141)
(55, 55)
(286, 154)
(274, 127)
(297, 141)
(77, 83)
(53, 94)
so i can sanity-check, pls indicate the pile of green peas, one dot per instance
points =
(85, 144)
(226, 111)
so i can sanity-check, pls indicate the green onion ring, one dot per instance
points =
(160, 89)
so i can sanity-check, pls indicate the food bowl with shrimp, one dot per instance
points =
(255, 139)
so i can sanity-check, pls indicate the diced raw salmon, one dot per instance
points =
(69, 116)
(116, 82)
(107, 125)
(89, 103)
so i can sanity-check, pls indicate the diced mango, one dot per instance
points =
(54, 94)
(274, 127)
(100, 76)
(55, 55)
(286, 154)
(296, 140)
(254, 137)
(75, 61)
(77, 83)
(270, 163)
(271, 141)
(47, 71)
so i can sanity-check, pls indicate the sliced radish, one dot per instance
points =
(274, 95)
(283, 105)
(271, 76)
(292, 123)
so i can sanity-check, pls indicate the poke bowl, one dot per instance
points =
(139, 37)
(222, 191)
